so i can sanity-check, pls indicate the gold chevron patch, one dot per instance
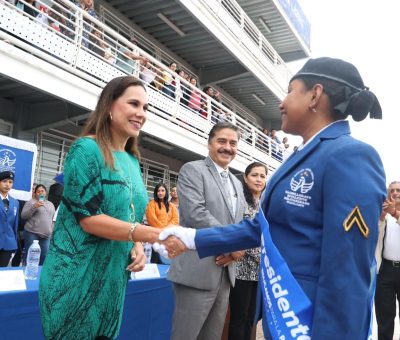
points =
(355, 217)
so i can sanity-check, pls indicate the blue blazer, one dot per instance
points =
(9, 224)
(307, 203)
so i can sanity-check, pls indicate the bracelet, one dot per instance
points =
(132, 230)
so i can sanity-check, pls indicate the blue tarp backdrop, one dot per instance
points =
(19, 157)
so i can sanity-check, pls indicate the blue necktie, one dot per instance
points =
(6, 203)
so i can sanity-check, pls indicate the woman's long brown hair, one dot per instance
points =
(98, 123)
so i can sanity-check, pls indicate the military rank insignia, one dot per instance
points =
(355, 217)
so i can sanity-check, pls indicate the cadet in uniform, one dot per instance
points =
(8, 218)
(323, 204)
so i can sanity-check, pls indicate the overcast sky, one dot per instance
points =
(365, 33)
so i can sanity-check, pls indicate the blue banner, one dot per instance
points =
(298, 19)
(18, 161)
(287, 308)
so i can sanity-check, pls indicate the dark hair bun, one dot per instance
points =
(361, 103)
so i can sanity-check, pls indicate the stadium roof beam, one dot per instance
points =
(222, 73)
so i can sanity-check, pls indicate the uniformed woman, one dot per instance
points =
(322, 206)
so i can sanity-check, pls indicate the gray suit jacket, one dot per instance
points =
(203, 203)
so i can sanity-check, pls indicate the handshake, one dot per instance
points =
(174, 241)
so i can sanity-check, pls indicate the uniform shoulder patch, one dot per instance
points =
(355, 217)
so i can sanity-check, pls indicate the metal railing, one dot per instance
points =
(232, 16)
(67, 36)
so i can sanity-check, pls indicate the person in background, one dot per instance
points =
(169, 83)
(147, 72)
(209, 194)
(129, 60)
(185, 90)
(97, 234)
(285, 142)
(276, 150)
(29, 7)
(322, 206)
(99, 46)
(388, 263)
(160, 213)
(174, 197)
(38, 214)
(196, 98)
(242, 299)
(87, 6)
(8, 218)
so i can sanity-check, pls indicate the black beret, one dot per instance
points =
(360, 100)
(6, 175)
(334, 69)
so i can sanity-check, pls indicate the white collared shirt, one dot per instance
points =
(302, 146)
(391, 246)
(234, 196)
(3, 197)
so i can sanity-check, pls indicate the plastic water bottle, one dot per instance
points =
(32, 261)
(147, 251)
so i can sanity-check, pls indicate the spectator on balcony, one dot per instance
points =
(195, 99)
(147, 72)
(99, 46)
(285, 142)
(275, 141)
(128, 60)
(58, 19)
(185, 90)
(169, 82)
(87, 6)
(215, 108)
(29, 7)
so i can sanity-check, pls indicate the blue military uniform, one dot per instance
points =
(9, 224)
(323, 206)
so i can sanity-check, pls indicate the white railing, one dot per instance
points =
(70, 38)
(230, 15)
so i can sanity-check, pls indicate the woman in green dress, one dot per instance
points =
(84, 277)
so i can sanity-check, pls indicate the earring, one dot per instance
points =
(314, 110)
(110, 115)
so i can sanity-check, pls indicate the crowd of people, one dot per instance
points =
(174, 82)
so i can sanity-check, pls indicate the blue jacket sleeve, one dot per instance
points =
(233, 237)
(354, 178)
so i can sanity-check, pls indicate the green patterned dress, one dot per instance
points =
(83, 280)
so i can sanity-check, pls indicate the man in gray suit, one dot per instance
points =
(209, 195)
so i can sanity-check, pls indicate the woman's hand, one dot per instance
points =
(138, 258)
(39, 204)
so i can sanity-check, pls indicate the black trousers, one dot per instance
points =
(387, 291)
(242, 302)
(5, 256)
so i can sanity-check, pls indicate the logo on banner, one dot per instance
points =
(300, 184)
(7, 160)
